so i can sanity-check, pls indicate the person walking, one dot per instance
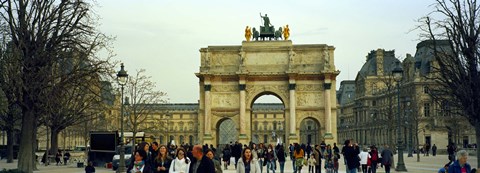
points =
(261, 155)
(336, 156)
(308, 150)
(211, 155)
(153, 153)
(364, 157)
(270, 158)
(181, 163)
(451, 152)
(58, 156)
(298, 154)
(374, 159)
(163, 160)
(281, 156)
(460, 165)
(247, 164)
(66, 157)
(434, 150)
(444, 169)
(226, 156)
(200, 162)
(89, 168)
(236, 152)
(351, 155)
(139, 165)
(318, 157)
(311, 163)
(387, 158)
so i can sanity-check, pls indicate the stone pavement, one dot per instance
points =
(426, 165)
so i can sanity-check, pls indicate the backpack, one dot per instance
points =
(374, 157)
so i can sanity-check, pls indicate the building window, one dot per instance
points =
(425, 89)
(274, 125)
(265, 139)
(426, 109)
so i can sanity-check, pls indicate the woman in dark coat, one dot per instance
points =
(226, 156)
(140, 163)
(351, 155)
(163, 161)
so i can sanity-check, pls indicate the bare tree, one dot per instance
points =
(143, 96)
(73, 102)
(9, 83)
(458, 56)
(389, 90)
(42, 31)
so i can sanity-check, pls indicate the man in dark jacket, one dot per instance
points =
(237, 152)
(460, 165)
(351, 155)
(387, 158)
(200, 162)
(153, 153)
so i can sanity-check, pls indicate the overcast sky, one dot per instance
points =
(164, 36)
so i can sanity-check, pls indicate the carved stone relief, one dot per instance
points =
(224, 100)
(308, 99)
(309, 87)
(225, 88)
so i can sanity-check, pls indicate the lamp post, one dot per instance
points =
(397, 73)
(408, 113)
(122, 78)
(372, 128)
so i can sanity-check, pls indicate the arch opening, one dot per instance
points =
(268, 123)
(310, 131)
(227, 132)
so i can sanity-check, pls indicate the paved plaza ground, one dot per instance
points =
(426, 165)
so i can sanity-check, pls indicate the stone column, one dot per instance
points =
(328, 111)
(243, 134)
(207, 113)
(291, 88)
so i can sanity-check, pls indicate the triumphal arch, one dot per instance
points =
(231, 78)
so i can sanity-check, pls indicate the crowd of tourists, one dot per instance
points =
(259, 158)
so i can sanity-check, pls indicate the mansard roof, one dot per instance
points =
(176, 106)
(370, 67)
(424, 55)
(346, 93)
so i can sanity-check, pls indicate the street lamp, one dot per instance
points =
(397, 73)
(410, 126)
(372, 128)
(122, 78)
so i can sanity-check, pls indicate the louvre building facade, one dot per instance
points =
(368, 106)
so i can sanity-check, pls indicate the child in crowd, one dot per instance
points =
(311, 163)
